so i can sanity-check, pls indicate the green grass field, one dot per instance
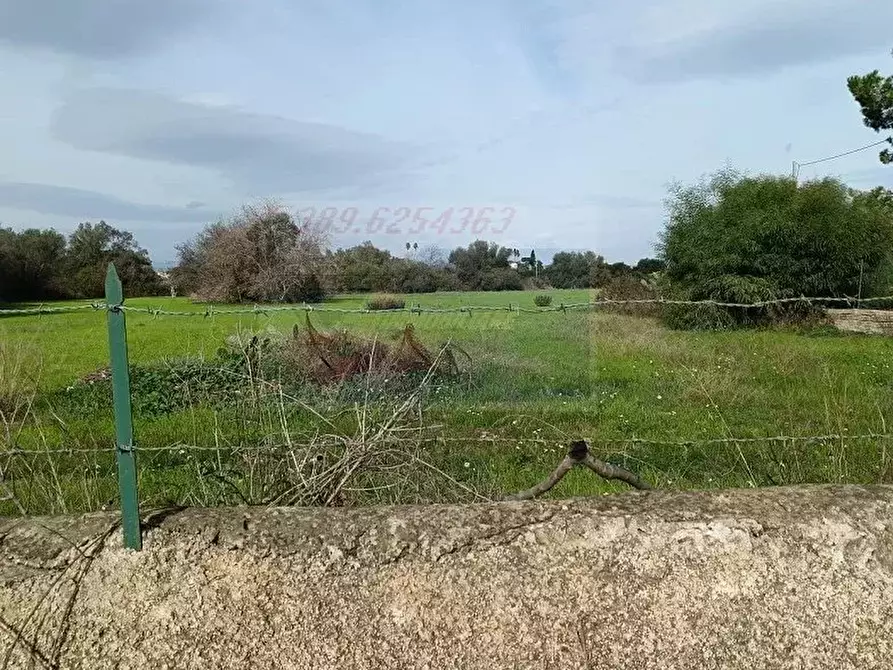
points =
(535, 382)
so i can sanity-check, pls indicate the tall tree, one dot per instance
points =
(647, 266)
(262, 255)
(31, 265)
(90, 249)
(532, 263)
(484, 266)
(874, 93)
(573, 269)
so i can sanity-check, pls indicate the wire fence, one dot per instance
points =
(125, 450)
(211, 311)
(330, 441)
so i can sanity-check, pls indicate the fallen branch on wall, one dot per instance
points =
(578, 454)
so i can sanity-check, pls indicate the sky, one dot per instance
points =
(537, 124)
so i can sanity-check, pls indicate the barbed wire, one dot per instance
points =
(53, 310)
(418, 309)
(608, 443)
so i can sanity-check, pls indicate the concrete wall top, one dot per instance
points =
(797, 577)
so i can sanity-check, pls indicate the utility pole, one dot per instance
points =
(861, 273)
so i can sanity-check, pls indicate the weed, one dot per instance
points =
(542, 300)
(385, 302)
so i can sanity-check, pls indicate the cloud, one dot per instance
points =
(257, 152)
(100, 29)
(773, 38)
(91, 205)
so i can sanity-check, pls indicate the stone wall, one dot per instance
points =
(875, 321)
(774, 578)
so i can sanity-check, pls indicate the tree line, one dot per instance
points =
(265, 255)
(730, 238)
(46, 265)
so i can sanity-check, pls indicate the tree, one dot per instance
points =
(573, 269)
(874, 93)
(531, 263)
(480, 264)
(745, 239)
(363, 268)
(42, 264)
(30, 265)
(434, 256)
(412, 249)
(261, 255)
(648, 266)
(91, 247)
(619, 269)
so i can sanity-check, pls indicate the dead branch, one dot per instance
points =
(609, 471)
(578, 454)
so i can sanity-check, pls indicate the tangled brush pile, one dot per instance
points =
(340, 355)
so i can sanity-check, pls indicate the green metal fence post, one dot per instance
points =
(126, 456)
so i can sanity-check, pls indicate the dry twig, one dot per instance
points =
(578, 454)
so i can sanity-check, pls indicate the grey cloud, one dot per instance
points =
(257, 152)
(766, 43)
(101, 29)
(89, 205)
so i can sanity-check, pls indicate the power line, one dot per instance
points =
(796, 166)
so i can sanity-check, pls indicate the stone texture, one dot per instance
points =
(873, 321)
(772, 578)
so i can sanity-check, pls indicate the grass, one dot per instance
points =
(537, 381)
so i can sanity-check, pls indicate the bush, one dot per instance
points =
(501, 279)
(749, 239)
(263, 255)
(162, 388)
(542, 300)
(385, 302)
(627, 287)
(535, 284)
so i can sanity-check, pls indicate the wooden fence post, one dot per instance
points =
(126, 456)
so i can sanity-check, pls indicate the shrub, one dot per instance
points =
(628, 287)
(535, 284)
(542, 300)
(262, 255)
(501, 279)
(162, 388)
(385, 302)
(747, 239)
